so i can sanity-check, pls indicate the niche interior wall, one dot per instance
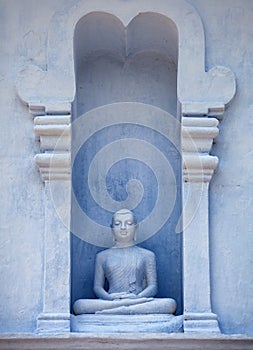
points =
(121, 68)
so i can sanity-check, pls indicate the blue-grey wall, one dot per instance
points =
(229, 41)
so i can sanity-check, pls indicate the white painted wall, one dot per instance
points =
(229, 42)
(229, 34)
(23, 27)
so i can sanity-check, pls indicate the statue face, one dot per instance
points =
(124, 227)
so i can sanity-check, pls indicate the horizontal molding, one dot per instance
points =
(55, 108)
(200, 121)
(198, 167)
(205, 322)
(52, 119)
(142, 341)
(53, 132)
(198, 134)
(206, 108)
(54, 166)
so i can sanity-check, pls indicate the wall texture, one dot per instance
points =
(229, 34)
(229, 37)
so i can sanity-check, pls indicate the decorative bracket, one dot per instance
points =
(54, 134)
(197, 139)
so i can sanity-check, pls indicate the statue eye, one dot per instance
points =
(129, 223)
(116, 223)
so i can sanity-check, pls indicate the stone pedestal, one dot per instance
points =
(99, 324)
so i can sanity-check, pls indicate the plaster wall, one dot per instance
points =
(23, 38)
(229, 33)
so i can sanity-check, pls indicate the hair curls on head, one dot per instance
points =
(123, 212)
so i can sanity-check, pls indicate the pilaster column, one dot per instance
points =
(198, 167)
(53, 132)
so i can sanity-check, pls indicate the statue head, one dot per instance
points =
(124, 228)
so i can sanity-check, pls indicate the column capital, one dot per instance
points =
(198, 134)
(53, 132)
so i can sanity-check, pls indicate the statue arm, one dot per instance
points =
(151, 277)
(99, 280)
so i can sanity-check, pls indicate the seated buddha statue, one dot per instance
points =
(130, 272)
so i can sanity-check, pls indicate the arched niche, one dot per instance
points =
(147, 47)
(201, 99)
(113, 65)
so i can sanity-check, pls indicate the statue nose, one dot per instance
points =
(123, 226)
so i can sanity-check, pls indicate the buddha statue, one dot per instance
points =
(131, 275)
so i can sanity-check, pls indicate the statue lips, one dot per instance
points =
(123, 232)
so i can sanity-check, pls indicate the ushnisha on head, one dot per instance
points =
(124, 228)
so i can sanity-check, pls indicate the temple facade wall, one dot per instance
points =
(229, 42)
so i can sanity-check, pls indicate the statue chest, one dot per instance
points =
(125, 271)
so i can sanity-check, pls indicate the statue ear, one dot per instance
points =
(113, 237)
(136, 228)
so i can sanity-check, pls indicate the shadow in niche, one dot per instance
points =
(134, 65)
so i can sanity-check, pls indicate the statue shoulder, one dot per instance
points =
(102, 255)
(106, 253)
(146, 252)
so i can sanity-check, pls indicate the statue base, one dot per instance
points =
(152, 323)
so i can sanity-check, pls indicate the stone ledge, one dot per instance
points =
(125, 341)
